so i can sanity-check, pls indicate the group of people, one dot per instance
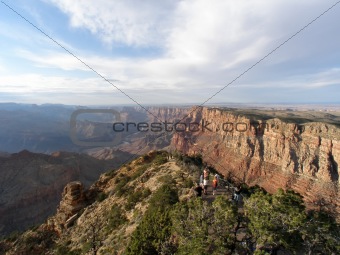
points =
(204, 183)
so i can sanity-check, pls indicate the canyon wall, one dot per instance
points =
(169, 114)
(31, 184)
(270, 153)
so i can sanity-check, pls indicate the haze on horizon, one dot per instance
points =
(169, 52)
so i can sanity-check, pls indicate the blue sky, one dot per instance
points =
(169, 51)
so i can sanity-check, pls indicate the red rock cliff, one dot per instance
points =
(271, 153)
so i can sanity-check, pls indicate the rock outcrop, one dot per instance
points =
(73, 200)
(270, 153)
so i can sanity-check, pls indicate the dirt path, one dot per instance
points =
(221, 190)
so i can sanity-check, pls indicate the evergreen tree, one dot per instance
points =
(276, 220)
(222, 237)
(321, 234)
(203, 228)
(190, 225)
(155, 227)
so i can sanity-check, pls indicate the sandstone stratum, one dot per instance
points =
(288, 153)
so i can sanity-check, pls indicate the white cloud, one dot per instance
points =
(324, 78)
(204, 45)
(53, 59)
(139, 23)
(36, 83)
(314, 80)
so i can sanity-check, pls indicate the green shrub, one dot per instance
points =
(132, 200)
(155, 227)
(275, 220)
(121, 185)
(167, 180)
(140, 170)
(136, 197)
(101, 196)
(116, 217)
(64, 250)
(160, 159)
(188, 183)
(86, 247)
(112, 173)
(204, 228)
(119, 177)
(146, 157)
(146, 192)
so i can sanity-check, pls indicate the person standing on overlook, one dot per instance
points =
(206, 173)
(217, 176)
(237, 193)
(214, 184)
(205, 186)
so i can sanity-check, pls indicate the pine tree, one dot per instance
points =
(276, 220)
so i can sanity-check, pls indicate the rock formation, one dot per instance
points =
(73, 200)
(270, 153)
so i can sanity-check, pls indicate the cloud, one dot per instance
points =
(52, 59)
(326, 78)
(42, 83)
(201, 46)
(138, 23)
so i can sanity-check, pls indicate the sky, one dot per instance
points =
(169, 52)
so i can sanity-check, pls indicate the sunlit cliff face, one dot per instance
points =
(271, 153)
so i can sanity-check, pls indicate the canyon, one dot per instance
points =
(31, 183)
(270, 152)
(287, 149)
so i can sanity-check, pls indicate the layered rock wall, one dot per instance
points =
(73, 200)
(271, 153)
(31, 184)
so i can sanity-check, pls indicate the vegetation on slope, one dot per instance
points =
(150, 208)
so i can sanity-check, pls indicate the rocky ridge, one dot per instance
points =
(109, 211)
(111, 216)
